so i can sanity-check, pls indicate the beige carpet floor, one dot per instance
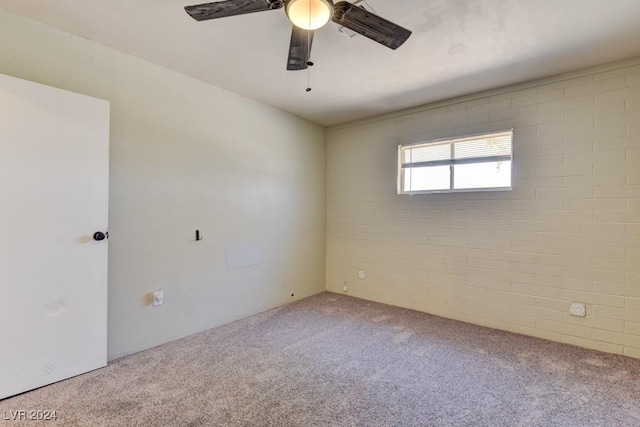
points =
(333, 360)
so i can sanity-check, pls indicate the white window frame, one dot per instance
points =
(451, 162)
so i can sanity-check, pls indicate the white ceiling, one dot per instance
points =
(457, 47)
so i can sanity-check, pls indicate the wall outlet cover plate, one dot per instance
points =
(158, 296)
(577, 309)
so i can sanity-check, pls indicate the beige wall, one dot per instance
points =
(184, 156)
(568, 232)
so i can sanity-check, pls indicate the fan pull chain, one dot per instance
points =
(309, 64)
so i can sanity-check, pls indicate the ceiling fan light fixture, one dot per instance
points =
(309, 14)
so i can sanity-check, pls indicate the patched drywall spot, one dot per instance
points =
(243, 254)
(55, 308)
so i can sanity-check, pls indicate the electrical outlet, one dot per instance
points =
(362, 274)
(577, 309)
(158, 297)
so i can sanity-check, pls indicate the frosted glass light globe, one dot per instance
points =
(309, 14)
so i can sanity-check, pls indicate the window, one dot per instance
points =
(472, 163)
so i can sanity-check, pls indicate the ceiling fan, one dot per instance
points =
(306, 17)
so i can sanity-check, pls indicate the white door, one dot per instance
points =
(54, 161)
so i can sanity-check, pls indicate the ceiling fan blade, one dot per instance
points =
(369, 25)
(299, 49)
(220, 9)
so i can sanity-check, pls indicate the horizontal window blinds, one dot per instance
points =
(475, 149)
(432, 166)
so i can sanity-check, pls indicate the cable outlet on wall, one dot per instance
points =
(362, 274)
(158, 297)
(345, 288)
(577, 309)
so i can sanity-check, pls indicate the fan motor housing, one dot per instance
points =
(277, 4)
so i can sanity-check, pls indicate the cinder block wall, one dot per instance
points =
(569, 231)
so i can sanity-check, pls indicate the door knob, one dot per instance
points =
(99, 235)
